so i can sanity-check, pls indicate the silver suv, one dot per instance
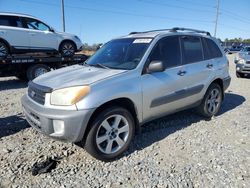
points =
(129, 81)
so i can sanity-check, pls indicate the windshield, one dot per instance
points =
(120, 53)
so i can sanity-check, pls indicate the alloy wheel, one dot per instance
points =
(112, 134)
(213, 101)
(68, 49)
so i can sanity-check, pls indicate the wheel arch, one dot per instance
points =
(219, 81)
(66, 40)
(120, 102)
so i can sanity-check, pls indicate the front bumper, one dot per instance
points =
(66, 125)
(243, 68)
(226, 82)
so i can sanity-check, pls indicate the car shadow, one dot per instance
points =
(159, 129)
(12, 84)
(230, 102)
(12, 124)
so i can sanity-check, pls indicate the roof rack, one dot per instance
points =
(174, 29)
(135, 32)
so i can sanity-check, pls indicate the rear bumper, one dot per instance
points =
(226, 82)
(66, 125)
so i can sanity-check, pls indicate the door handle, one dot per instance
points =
(32, 34)
(210, 66)
(182, 73)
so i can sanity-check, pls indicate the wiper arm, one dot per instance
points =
(101, 65)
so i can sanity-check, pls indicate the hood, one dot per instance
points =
(74, 76)
(65, 34)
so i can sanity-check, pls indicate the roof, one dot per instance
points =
(16, 14)
(173, 31)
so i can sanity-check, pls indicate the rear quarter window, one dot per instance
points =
(213, 48)
(12, 21)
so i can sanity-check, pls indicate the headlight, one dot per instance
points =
(68, 96)
(241, 61)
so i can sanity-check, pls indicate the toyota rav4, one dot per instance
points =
(129, 81)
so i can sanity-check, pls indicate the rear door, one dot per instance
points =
(197, 66)
(11, 30)
(40, 35)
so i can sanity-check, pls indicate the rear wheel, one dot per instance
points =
(4, 51)
(37, 70)
(110, 134)
(211, 102)
(67, 48)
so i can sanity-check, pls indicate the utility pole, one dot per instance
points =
(63, 18)
(217, 16)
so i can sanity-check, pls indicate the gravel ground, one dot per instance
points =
(181, 150)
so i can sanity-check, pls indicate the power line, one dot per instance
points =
(196, 4)
(173, 6)
(236, 15)
(122, 12)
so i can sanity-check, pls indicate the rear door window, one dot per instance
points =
(213, 48)
(191, 49)
(168, 51)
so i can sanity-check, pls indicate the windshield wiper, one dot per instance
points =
(101, 65)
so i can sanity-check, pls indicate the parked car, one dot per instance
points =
(127, 82)
(245, 50)
(20, 33)
(243, 66)
(243, 54)
(234, 49)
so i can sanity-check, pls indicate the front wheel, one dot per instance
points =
(37, 70)
(211, 102)
(110, 134)
(67, 49)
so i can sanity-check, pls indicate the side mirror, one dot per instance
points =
(51, 29)
(155, 66)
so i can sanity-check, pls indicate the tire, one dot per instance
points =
(239, 75)
(36, 70)
(4, 51)
(111, 143)
(211, 102)
(67, 48)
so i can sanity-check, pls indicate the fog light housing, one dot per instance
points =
(58, 126)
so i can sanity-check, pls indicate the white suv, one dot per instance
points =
(23, 33)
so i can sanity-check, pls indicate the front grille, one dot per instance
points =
(248, 62)
(37, 92)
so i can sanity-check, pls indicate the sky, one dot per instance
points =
(98, 21)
